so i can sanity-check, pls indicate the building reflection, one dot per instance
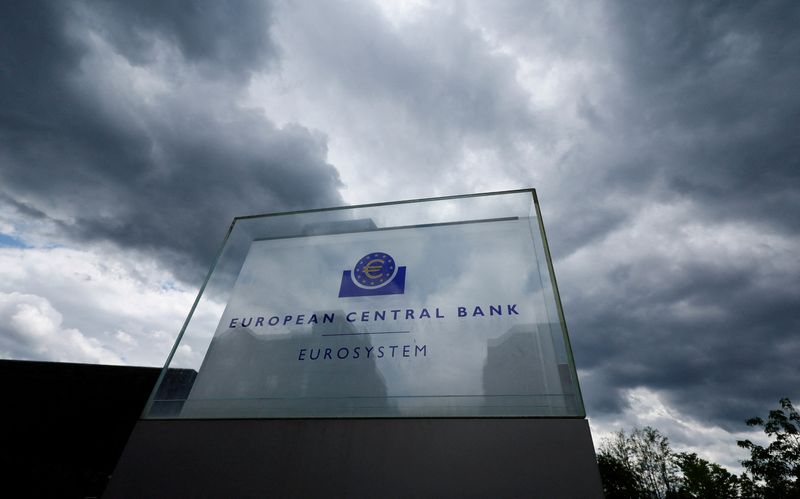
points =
(522, 370)
(303, 373)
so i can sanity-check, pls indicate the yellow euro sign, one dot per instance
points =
(373, 268)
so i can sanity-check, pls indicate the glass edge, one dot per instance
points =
(559, 309)
(401, 418)
(148, 406)
(388, 203)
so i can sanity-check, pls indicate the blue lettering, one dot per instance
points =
(273, 320)
(300, 319)
(394, 314)
(462, 311)
(287, 319)
(233, 323)
(512, 309)
(389, 351)
(409, 314)
(439, 315)
(259, 322)
(380, 314)
(365, 316)
(348, 317)
(313, 319)
(327, 318)
(498, 310)
(477, 311)
(424, 314)
(250, 321)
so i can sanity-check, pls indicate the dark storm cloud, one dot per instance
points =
(687, 100)
(717, 339)
(223, 35)
(673, 213)
(163, 170)
(706, 117)
(717, 83)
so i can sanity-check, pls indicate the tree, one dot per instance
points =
(619, 481)
(639, 464)
(775, 470)
(702, 479)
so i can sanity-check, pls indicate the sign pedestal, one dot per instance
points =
(515, 457)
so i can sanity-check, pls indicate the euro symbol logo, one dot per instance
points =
(374, 268)
(375, 274)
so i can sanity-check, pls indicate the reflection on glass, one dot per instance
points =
(433, 308)
(245, 374)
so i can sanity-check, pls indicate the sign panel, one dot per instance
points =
(454, 318)
(385, 322)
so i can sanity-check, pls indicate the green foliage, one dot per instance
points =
(619, 481)
(639, 464)
(774, 471)
(702, 479)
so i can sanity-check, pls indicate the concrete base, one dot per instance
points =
(358, 458)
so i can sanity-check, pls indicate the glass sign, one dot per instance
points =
(442, 307)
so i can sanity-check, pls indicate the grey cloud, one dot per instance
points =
(684, 101)
(222, 35)
(446, 75)
(421, 92)
(712, 83)
(684, 104)
(690, 105)
(706, 88)
(164, 172)
(713, 337)
(697, 109)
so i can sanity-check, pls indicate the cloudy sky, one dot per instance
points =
(662, 138)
